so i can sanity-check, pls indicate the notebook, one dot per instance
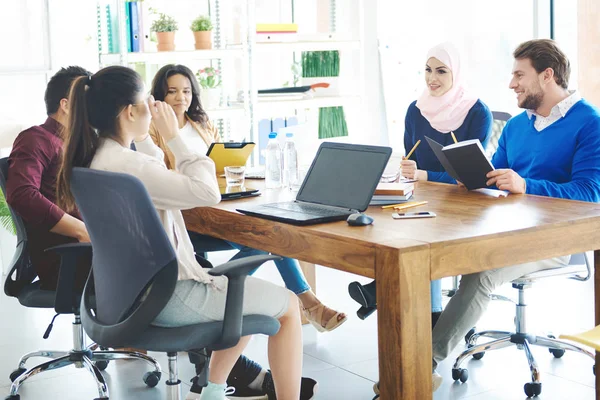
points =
(229, 154)
(464, 161)
(340, 182)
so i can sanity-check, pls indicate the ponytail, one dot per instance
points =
(80, 142)
(94, 106)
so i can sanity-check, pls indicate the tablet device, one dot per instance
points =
(237, 192)
(229, 154)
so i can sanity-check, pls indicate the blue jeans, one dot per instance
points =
(436, 296)
(289, 269)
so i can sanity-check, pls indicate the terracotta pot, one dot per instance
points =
(166, 41)
(203, 40)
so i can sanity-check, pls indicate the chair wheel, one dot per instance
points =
(151, 378)
(469, 334)
(533, 389)
(557, 353)
(101, 365)
(16, 373)
(476, 356)
(460, 374)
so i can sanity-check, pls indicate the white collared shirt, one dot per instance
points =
(557, 112)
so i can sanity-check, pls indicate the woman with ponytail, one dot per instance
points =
(109, 111)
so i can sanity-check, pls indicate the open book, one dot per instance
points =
(464, 161)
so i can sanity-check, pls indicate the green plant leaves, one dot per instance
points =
(5, 218)
(202, 23)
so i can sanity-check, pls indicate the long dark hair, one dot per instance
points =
(94, 105)
(160, 88)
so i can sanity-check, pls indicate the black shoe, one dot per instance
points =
(434, 318)
(243, 373)
(365, 312)
(308, 387)
(365, 295)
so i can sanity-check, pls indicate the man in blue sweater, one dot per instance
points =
(551, 149)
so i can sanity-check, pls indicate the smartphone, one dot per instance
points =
(420, 214)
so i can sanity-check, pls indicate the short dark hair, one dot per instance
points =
(544, 53)
(59, 86)
(160, 87)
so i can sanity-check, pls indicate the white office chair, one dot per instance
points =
(579, 268)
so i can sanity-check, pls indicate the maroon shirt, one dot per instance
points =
(31, 191)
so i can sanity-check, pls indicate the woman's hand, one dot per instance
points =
(164, 118)
(408, 169)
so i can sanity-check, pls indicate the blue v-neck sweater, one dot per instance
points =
(477, 125)
(562, 160)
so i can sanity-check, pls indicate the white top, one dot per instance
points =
(193, 185)
(557, 112)
(192, 139)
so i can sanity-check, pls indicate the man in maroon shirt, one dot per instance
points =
(31, 183)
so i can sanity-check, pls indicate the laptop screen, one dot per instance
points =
(344, 175)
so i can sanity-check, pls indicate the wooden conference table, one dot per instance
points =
(472, 232)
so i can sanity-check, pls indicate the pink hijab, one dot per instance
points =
(448, 112)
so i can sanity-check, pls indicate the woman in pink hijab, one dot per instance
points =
(445, 106)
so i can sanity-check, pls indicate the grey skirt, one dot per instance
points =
(194, 302)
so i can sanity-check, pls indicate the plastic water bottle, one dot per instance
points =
(273, 163)
(290, 162)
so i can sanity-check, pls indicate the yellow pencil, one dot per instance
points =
(412, 150)
(405, 205)
(453, 137)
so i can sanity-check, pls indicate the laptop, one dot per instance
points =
(340, 182)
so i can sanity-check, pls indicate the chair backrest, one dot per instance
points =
(500, 119)
(134, 266)
(21, 272)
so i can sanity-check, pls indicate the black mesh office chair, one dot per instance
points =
(134, 273)
(579, 268)
(21, 283)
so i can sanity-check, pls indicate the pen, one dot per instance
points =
(412, 150)
(405, 205)
(453, 137)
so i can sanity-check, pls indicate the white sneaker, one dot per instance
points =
(436, 380)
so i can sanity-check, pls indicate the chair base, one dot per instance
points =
(522, 341)
(82, 359)
(81, 356)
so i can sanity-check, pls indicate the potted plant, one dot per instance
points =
(210, 81)
(8, 232)
(165, 28)
(202, 27)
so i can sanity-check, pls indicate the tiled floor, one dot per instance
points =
(344, 361)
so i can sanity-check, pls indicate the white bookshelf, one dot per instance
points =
(165, 57)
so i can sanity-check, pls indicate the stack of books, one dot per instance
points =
(267, 33)
(392, 193)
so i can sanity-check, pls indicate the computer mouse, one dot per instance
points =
(359, 219)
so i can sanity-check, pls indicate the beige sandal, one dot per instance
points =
(314, 315)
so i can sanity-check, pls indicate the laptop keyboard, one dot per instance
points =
(308, 209)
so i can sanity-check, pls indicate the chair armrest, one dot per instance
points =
(67, 299)
(241, 266)
(236, 272)
(76, 249)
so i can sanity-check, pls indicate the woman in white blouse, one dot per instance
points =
(108, 111)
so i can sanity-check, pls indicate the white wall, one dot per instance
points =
(31, 58)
